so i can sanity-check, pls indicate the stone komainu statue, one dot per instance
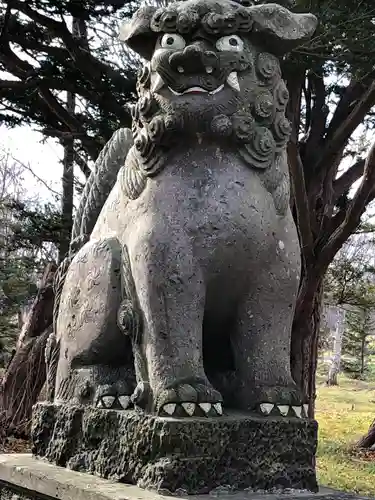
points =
(180, 296)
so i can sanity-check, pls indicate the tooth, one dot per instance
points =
(266, 408)
(99, 404)
(180, 69)
(232, 80)
(206, 407)
(158, 83)
(124, 401)
(189, 408)
(306, 408)
(218, 408)
(297, 411)
(108, 401)
(209, 69)
(169, 408)
(283, 409)
(217, 90)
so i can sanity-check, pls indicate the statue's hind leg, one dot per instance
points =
(171, 293)
(261, 342)
(95, 364)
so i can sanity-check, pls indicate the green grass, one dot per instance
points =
(344, 414)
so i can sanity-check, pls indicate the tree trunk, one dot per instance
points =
(78, 31)
(368, 441)
(67, 188)
(305, 335)
(26, 373)
(363, 347)
(337, 348)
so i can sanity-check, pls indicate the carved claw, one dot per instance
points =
(298, 411)
(124, 401)
(169, 408)
(206, 407)
(108, 401)
(266, 408)
(306, 410)
(284, 410)
(218, 408)
(189, 409)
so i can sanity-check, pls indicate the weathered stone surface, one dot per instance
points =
(194, 255)
(195, 455)
(180, 298)
(25, 478)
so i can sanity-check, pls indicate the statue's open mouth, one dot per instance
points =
(231, 80)
(197, 90)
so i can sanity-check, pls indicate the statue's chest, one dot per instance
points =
(217, 197)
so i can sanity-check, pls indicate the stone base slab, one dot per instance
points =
(23, 477)
(184, 456)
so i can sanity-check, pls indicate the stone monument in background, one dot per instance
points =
(169, 365)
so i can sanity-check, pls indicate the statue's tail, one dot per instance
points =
(98, 186)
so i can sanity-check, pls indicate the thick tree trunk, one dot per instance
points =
(26, 373)
(305, 335)
(337, 348)
(22, 385)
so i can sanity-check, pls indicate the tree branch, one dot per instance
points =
(301, 203)
(69, 119)
(6, 20)
(347, 179)
(347, 127)
(86, 61)
(82, 165)
(352, 94)
(363, 195)
(59, 81)
(24, 70)
(318, 119)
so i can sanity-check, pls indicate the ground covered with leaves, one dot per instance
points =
(344, 414)
(14, 445)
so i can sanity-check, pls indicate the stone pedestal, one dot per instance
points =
(192, 456)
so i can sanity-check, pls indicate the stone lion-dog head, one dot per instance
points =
(212, 70)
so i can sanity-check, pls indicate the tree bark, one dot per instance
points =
(363, 346)
(304, 347)
(67, 187)
(368, 441)
(26, 373)
(78, 31)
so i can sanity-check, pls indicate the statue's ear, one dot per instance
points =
(280, 30)
(137, 33)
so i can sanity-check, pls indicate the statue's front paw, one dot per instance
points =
(193, 398)
(113, 397)
(281, 401)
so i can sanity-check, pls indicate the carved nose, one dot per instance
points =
(194, 60)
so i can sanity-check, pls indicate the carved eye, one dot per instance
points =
(232, 43)
(172, 41)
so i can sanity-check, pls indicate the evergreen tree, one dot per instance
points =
(360, 325)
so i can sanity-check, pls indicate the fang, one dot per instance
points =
(232, 81)
(158, 83)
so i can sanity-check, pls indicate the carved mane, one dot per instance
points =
(258, 129)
